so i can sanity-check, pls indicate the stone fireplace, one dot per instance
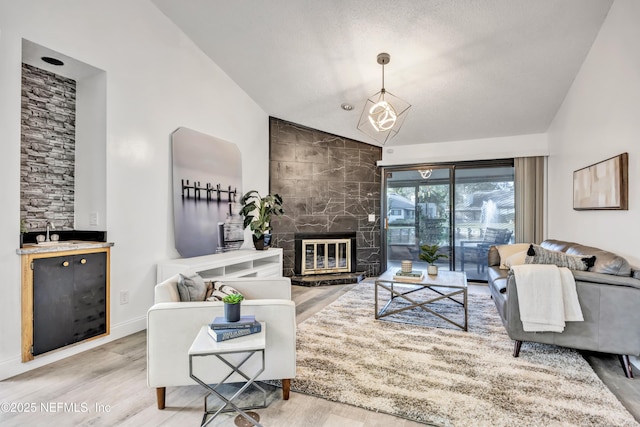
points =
(325, 253)
(329, 185)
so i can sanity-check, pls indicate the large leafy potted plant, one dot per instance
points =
(430, 254)
(257, 212)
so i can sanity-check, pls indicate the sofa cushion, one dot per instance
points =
(539, 255)
(556, 245)
(506, 251)
(516, 259)
(493, 257)
(191, 288)
(497, 278)
(220, 290)
(606, 262)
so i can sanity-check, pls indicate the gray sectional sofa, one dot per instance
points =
(609, 296)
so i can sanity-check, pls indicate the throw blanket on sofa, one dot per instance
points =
(547, 297)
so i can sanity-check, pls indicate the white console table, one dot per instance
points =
(240, 263)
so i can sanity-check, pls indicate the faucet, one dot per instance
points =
(50, 226)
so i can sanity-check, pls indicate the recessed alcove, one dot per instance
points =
(80, 159)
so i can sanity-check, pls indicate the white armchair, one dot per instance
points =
(172, 326)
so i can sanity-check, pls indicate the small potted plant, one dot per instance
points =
(430, 254)
(232, 307)
(257, 212)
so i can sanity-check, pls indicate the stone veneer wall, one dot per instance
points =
(47, 151)
(329, 184)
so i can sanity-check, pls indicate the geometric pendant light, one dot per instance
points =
(383, 113)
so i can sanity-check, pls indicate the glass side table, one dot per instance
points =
(244, 348)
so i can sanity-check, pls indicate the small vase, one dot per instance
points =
(232, 312)
(432, 270)
(407, 266)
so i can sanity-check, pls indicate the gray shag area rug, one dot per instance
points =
(442, 375)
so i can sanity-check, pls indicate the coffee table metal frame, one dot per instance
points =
(203, 346)
(446, 284)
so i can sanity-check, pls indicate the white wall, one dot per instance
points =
(156, 81)
(599, 119)
(474, 149)
(90, 184)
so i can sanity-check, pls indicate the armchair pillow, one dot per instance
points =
(191, 288)
(539, 255)
(220, 290)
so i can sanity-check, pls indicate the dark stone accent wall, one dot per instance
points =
(329, 184)
(47, 151)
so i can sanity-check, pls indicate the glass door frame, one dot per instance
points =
(384, 220)
(452, 166)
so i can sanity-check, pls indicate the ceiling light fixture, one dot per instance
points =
(383, 113)
(52, 61)
(425, 174)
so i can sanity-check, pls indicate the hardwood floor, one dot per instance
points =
(106, 386)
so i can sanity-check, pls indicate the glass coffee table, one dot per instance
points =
(422, 293)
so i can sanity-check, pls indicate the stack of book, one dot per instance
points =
(414, 276)
(222, 330)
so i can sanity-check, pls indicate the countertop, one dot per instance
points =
(68, 245)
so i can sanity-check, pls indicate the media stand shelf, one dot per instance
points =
(241, 263)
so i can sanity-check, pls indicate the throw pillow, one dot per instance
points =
(506, 251)
(220, 290)
(539, 255)
(191, 288)
(209, 290)
(516, 259)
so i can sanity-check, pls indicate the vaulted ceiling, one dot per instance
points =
(470, 68)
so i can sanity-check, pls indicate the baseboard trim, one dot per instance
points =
(14, 366)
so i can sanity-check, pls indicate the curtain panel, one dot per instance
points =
(529, 199)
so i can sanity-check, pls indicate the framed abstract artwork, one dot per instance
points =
(207, 186)
(603, 185)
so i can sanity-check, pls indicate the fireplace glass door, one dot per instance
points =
(326, 256)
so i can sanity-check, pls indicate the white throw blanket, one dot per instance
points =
(547, 297)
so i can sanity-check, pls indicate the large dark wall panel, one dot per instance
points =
(328, 184)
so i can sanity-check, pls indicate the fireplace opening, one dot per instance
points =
(325, 253)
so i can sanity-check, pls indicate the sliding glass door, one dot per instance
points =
(464, 208)
(484, 215)
(418, 209)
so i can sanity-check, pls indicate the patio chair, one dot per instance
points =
(477, 250)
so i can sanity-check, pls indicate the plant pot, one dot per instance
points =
(262, 243)
(432, 270)
(232, 312)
